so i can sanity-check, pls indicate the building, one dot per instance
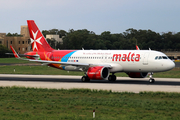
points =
(55, 37)
(20, 43)
(2, 36)
(25, 31)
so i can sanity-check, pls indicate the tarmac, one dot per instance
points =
(123, 84)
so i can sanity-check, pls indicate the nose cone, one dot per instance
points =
(170, 65)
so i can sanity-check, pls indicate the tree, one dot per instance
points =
(52, 43)
(62, 33)
(4, 50)
(14, 34)
(54, 32)
(76, 39)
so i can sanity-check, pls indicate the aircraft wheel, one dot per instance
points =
(151, 80)
(85, 79)
(112, 78)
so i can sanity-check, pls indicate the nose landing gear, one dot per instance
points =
(151, 80)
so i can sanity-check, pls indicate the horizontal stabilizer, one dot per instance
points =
(22, 55)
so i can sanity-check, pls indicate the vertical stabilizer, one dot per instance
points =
(38, 41)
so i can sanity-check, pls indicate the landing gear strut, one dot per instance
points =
(112, 77)
(151, 80)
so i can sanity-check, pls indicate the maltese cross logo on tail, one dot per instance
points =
(35, 41)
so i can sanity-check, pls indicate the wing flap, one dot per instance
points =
(62, 63)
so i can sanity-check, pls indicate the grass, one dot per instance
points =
(78, 104)
(174, 73)
(13, 60)
(36, 70)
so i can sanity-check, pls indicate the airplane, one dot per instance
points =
(96, 64)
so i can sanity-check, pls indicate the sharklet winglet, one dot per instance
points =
(14, 52)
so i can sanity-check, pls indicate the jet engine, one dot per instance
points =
(98, 72)
(137, 74)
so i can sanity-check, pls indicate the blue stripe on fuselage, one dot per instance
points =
(66, 57)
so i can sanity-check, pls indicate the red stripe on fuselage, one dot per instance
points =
(60, 53)
(55, 55)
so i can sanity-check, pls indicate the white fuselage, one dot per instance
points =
(124, 60)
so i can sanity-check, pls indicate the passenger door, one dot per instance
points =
(145, 59)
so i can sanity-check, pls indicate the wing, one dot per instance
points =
(70, 63)
(46, 62)
(62, 63)
(18, 56)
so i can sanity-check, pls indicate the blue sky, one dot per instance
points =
(115, 16)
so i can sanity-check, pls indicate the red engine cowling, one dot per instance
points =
(137, 74)
(98, 72)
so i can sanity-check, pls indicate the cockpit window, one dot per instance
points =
(160, 57)
(164, 57)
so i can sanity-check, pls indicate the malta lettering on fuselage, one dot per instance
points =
(126, 57)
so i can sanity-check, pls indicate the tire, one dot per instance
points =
(112, 78)
(151, 80)
(85, 79)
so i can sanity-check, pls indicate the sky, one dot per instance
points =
(98, 16)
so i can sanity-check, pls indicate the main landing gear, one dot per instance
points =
(112, 77)
(85, 79)
(151, 80)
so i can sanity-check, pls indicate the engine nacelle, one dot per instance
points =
(137, 74)
(98, 72)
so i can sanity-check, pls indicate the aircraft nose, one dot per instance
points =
(170, 65)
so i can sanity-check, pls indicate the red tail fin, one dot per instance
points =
(38, 41)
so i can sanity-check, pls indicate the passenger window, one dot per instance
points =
(156, 57)
(160, 57)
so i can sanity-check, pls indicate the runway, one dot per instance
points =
(123, 84)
